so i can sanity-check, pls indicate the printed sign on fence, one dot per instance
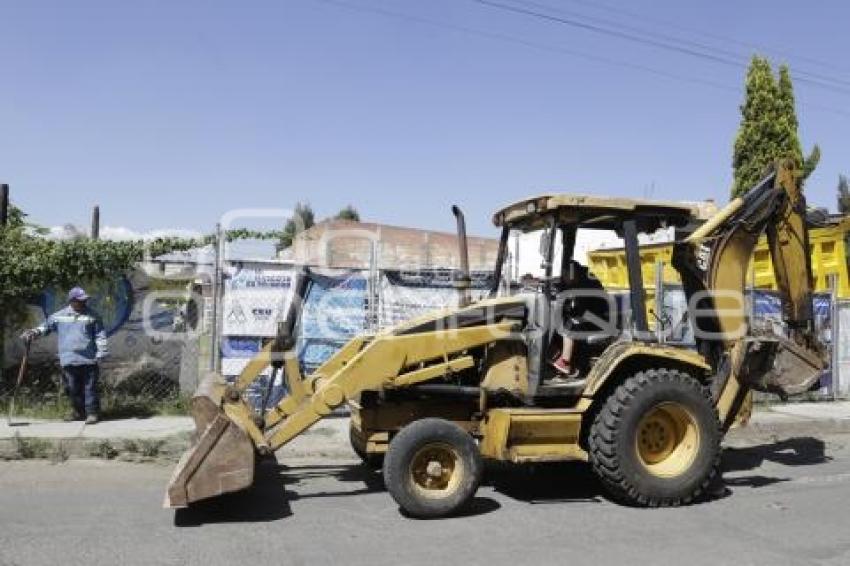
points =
(403, 296)
(255, 279)
(231, 367)
(240, 346)
(255, 301)
(334, 310)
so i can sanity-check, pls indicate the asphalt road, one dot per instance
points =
(788, 502)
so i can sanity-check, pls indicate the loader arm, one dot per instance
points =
(230, 430)
(713, 262)
(388, 361)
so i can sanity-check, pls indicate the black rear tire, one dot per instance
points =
(656, 440)
(432, 468)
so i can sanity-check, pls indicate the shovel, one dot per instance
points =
(21, 372)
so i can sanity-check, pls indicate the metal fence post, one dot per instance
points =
(95, 223)
(4, 204)
(835, 332)
(215, 347)
(373, 284)
(4, 219)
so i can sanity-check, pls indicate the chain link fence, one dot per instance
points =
(832, 325)
(147, 339)
(166, 332)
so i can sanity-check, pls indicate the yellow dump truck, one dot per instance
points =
(829, 245)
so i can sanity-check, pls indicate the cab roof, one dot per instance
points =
(604, 213)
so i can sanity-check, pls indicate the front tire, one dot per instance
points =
(656, 440)
(432, 468)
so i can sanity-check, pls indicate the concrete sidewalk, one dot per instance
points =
(795, 419)
(159, 438)
(146, 428)
(329, 437)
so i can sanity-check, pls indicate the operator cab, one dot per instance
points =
(571, 317)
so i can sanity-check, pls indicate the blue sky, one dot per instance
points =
(168, 114)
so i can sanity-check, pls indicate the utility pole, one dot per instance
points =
(4, 205)
(95, 223)
(215, 357)
(836, 384)
(4, 220)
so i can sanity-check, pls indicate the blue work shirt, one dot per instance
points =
(82, 338)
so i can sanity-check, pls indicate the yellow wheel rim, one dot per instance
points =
(435, 470)
(667, 440)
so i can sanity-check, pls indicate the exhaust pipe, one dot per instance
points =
(462, 280)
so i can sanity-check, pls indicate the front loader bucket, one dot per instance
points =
(221, 458)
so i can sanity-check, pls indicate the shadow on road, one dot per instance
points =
(370, 479)
(277, 485)
(545, 483)
(266, 500)
(478, 506)
(798, 451)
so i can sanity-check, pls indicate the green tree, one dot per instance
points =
(348, 213)
(843, 195)
(768, 129)
(302, 219)
(31, 263)
(16, 217)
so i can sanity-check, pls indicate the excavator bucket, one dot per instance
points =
(221, 458)
(778, 365)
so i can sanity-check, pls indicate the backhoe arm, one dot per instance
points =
(788, 239)
(713, 262)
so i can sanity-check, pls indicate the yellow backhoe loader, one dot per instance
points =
(432, 398)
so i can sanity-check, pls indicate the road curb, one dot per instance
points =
(765, 428)
(328, 440)
(166, 449)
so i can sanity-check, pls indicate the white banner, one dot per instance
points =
(400, 303)
(231, 367)
(241, 278)
(249, 313)
(255, 301)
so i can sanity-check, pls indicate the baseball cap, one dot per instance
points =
(77, 294)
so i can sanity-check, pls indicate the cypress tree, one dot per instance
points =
(843, 195)
(768, 128)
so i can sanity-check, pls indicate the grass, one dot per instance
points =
(103, 449)
(30, 448)
(50, 409)
(60, 453)
(150, 448)
(112, 407)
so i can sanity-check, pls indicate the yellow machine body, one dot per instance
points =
(486, 356)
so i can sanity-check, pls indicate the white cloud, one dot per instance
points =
(65, 232)
(121, 233)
